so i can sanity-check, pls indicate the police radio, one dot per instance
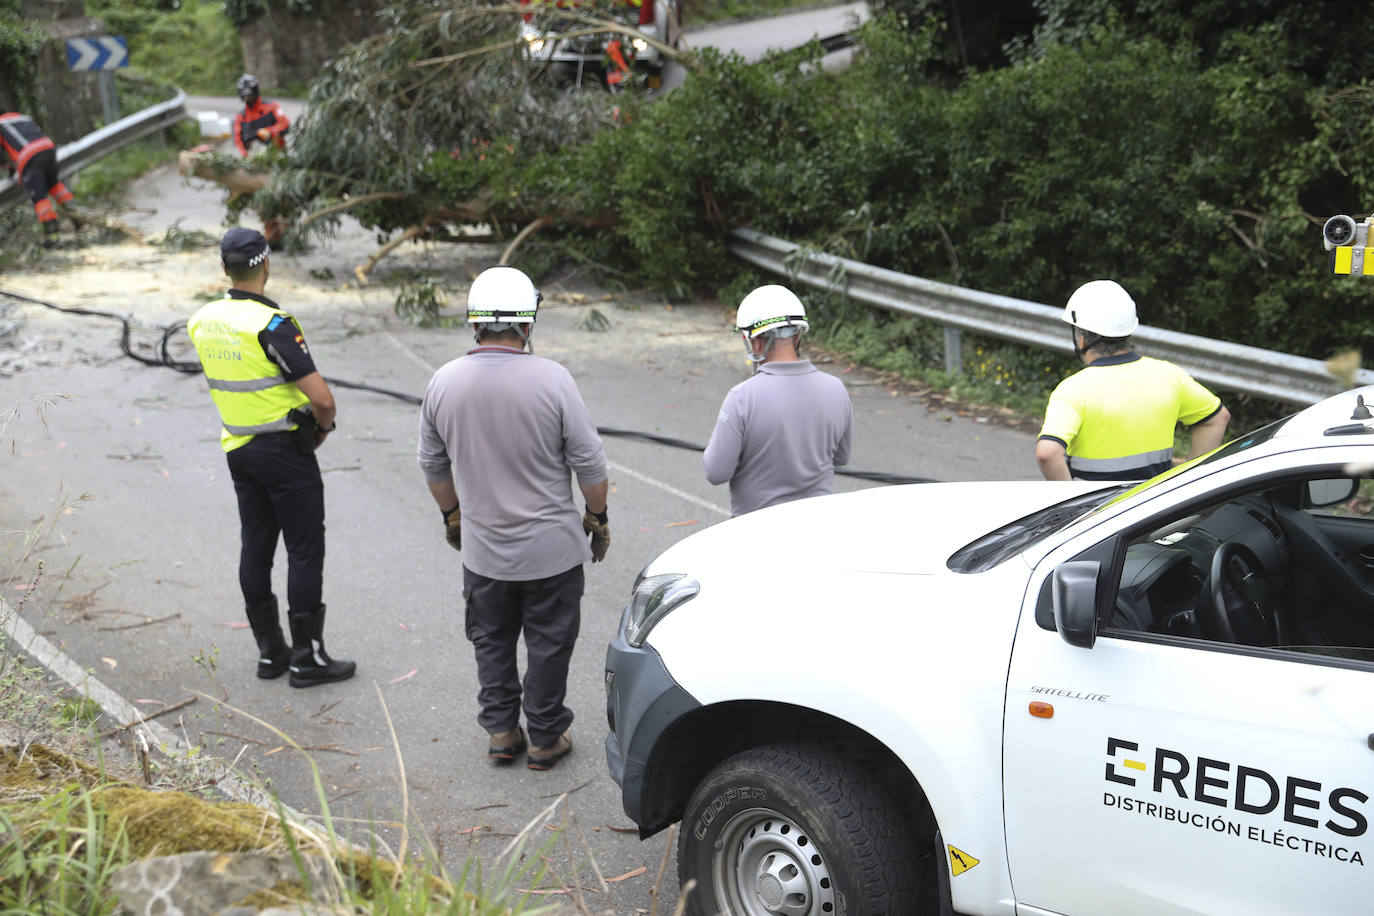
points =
(1347, 241)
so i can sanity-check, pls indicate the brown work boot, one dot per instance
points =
(506, 746)
(543, 758)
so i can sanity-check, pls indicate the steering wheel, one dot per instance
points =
(1243, 608)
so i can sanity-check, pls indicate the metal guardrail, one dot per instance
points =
(1216, 363)
(73, 157)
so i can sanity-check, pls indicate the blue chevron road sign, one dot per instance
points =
(103, 52)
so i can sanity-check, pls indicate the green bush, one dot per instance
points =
(108, 177)
(1198, 179)
(187, 43)
(21, 40)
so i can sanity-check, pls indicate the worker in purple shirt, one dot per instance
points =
(502, 434)
(782, 432)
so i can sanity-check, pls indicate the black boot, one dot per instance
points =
(50, 233)
(310, 664)
(274, 657)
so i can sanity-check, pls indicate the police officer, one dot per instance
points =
(276, 410)
(260, 122)
(34, 156)
(509, 427)
(1115, 419)
(782, 432)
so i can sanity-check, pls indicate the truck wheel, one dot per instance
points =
(793, 830)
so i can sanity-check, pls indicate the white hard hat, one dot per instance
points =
(769, 308)
(502, 295)
(1102, 307)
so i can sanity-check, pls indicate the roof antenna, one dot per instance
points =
(1361, 411)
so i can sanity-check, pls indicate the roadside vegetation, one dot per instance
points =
(186, 43)
(1192, 156)
(1191, 152)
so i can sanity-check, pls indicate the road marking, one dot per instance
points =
(416, 358)
(668, 488)
(614, 465)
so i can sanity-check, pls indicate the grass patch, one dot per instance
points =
(88, 825)
(190, 44)
(105, 181)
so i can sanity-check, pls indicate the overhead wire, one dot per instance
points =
(165, 358)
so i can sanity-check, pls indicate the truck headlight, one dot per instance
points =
(654, 597)
(639, 44)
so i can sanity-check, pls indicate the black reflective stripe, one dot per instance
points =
(1140, 473)
(485, 315)
(763, 322)
(1123, 462)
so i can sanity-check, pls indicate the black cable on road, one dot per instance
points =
(125, 342)
(193, 367)
(880, 476)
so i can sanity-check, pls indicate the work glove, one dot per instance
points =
(264, 134)
(595, 524)
(453, 532)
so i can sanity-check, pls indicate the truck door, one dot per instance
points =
(1156, 773)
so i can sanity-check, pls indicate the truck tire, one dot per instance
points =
(795, 830)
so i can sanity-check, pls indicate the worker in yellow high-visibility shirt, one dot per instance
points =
(1115, 418)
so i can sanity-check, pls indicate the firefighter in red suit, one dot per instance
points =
(34, 157)
(261, 122)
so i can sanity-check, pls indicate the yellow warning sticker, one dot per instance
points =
(960, 861)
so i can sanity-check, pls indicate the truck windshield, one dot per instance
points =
(995, 546)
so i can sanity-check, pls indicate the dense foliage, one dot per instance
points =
(439, 119)
(21, 40)
(1197, 173)
(186, 43)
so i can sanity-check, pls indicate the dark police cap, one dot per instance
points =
(243, 248)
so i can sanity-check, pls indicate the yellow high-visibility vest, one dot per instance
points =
(248, 388)
(1116, 417)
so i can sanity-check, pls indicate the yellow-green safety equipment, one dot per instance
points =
(248, 388)
(1116, 417)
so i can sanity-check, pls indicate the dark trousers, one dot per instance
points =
(40, 178)
(549, 612)
(280, 492)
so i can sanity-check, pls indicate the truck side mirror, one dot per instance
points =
(1074, 594)
(1331, 491)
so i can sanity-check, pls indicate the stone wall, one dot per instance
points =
(71, 101)
(284, 50)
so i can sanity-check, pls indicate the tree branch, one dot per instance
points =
(520, 237)
(413, 232)
(350, 204)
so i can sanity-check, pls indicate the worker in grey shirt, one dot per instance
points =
(781, 433)
(511, 429)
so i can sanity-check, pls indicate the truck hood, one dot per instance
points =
(903, 530)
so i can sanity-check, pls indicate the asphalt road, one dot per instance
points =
(113, 471)
(138, 584)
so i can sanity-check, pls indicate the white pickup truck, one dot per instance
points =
(1021, 697)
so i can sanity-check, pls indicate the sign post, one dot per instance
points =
(103, 54)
